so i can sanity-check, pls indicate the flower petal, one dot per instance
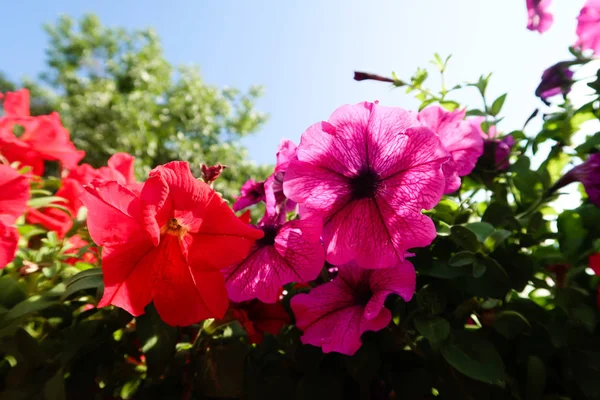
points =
(316, 187)
(114, 213)
(184, 295)
(129, 270)
(124, 164)
(9, 238)
(399, 279)
(296, 256)
(16, 104)
(14, 193)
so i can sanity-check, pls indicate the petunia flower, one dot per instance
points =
(166, 245)
(257, 318)
(14, 194)
(369, 172)
(335, 315)
(43, 137)
(76, 243)
(252, 192)
(119, 169)
(539, 19)
(496, 151)
(464, 143)
(588, 173)
(277, 204)
(557, 79)
(588, 26)
(290, 252)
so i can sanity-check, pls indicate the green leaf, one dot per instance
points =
(30, 305)
(77, 338)
(442, 270)
(462, 258)
(28, 231)
(479, 269)
(40, 202)
(481, 229)
(536, 378)
(571, 234)
(510, 324)
(157, 340)
(464, 237)
(482, 84)
(431, 299)
(477, 113)
(475, 357)
(449, 105)
(584, 315)
(88, 279)
(493, 283)
(130, 387)
(363, 365)
(592, 142)
(11, 292)
(54, 388)
(497, 105)
(496, 239)
(434, 329)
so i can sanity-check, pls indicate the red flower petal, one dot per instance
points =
(52, 219)
(183, 295)
(14, 193)
(128, 270)
(123, 163)
(114, 213)
(9, 238)
(16, 104)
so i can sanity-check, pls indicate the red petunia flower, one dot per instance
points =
(42, 138)
(257, 318)
(76, 243)
(14, 193)
(166, 245)
(120, 169)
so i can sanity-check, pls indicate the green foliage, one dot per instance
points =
(504, 306)
(116, 92)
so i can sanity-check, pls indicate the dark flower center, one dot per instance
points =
(363, 294)
(365, 184)
(270, 232)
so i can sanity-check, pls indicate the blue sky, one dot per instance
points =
(305, 52)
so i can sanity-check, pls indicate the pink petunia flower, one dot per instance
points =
(369, 172)
(588, 173)
(291, 252)
(334, 316)
(496, 151)
(539, 19)
(464, 143)
(252, 192)
(14, 193)
(278, 205)
(588, 26)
